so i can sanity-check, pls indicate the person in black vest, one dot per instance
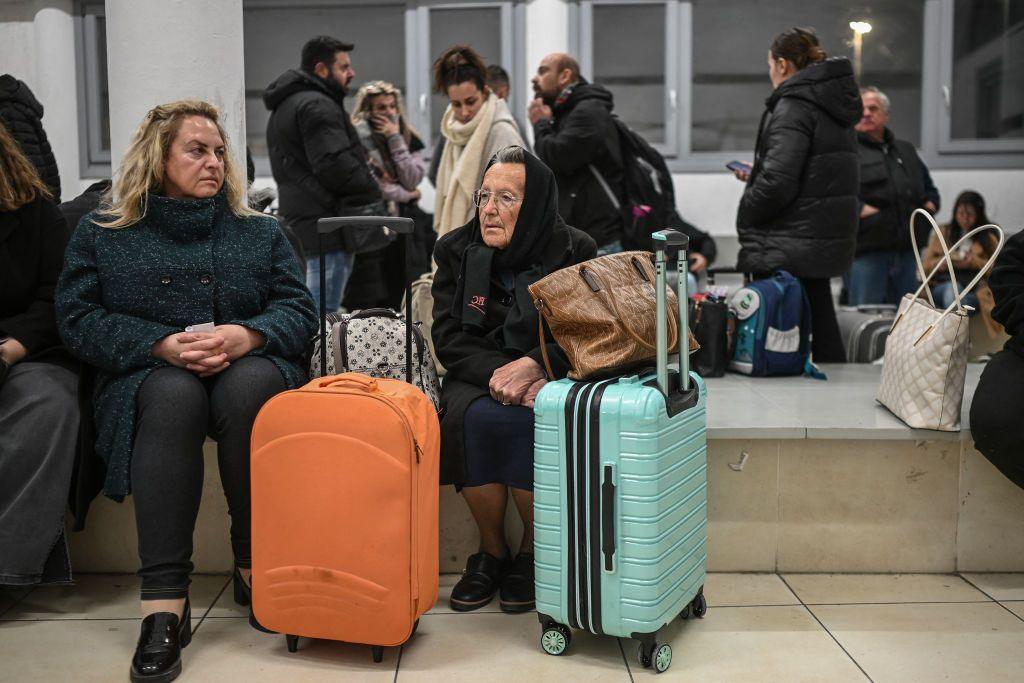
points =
(485, 333)
(575, 135)
(39, 417)
(21, 112)
(893, 182)
(996, 426)
(319, 166)
(799, 209)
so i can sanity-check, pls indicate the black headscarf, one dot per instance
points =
(535, 227)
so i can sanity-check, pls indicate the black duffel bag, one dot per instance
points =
(712, 324)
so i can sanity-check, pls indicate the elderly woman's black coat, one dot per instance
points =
(471, 358)
(185, 262)
(799, 209)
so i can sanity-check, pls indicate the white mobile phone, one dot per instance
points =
(203, 327)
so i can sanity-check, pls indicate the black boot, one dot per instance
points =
(517, 589)
(243, 597)
(162, 638)
(479, 582)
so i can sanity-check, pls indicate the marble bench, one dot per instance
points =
(804, 476)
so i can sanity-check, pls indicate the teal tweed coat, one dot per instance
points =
(188, 261)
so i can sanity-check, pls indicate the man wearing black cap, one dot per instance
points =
(315, 155)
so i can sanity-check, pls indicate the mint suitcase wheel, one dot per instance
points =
(555, 639)
(685, 614)
(700, 606)
(662, 658)
(645, 654)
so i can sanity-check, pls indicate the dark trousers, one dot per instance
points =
(996, 423)
(175, 412)
(827, 344)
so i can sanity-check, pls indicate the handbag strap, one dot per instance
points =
(958, 294)
(917, 254)
(543, 342)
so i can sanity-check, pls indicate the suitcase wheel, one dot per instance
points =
(662, 658)
(700, 606)
(378, 654)
(293, 643)
(645, 654)
(555, 639)
(685, 614)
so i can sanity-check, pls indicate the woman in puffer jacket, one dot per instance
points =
(799, 209)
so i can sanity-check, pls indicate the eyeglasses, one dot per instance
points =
(505, 200)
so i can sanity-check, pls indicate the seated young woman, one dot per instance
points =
(485, 333)
(174, 244)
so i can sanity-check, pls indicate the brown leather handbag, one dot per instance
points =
(602, 314)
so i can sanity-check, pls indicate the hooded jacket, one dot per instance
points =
(22, 114)
(894, 180)
(582, 133)
(799, 209)
(316, 156)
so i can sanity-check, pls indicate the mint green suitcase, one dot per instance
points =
(620, 498)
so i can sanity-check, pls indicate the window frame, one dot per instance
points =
(946, 142)
(94, 161)
(677, 101)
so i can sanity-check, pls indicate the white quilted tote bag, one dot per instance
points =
(926, 353)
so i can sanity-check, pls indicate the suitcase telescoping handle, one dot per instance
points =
(663, 239)
(400, 226)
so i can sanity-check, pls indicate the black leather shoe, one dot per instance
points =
(479, 582)
(162, 638)
(517, 588)
(243, 597)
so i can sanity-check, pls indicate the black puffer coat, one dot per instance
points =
(22, 114)
(316, 157)
(583, 134)
(799, 209)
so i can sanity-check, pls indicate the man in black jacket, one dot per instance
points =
(21, 112)
(893, 182)
(576, 136)
(315, 155)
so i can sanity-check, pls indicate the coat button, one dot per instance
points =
(205, 279)
(165, 280)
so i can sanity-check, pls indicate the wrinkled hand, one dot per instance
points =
(539, 111)
(239, 340)
(868, 210)
(531, 394)
(698, 262)
(384, 125)
(511, 381)
(12, 351)
(200, 352)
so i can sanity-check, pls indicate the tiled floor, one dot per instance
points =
(760, 627)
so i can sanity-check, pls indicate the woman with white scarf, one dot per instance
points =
(475, 126)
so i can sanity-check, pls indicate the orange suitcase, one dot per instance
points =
(345, 511)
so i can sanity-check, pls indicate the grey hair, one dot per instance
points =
(512, 154)
(882, 97)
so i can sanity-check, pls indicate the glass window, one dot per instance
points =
(273, 44)
(730, 72)
(629, 60)
(987, 90)
(94, 122)
(478, 27)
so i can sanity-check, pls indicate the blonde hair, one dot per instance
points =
(364, 101)
(19, 181)
(142, 168)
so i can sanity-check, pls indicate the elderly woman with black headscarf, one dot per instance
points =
(485, 332)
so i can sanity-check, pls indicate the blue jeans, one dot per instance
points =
(339, 268)
(881, 277)
(943, 295)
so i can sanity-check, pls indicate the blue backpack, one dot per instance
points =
(773, 327)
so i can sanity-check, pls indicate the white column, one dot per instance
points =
(55, 88)
(159, 51)
(547, 31)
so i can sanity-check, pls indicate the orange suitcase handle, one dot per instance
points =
(363, 381)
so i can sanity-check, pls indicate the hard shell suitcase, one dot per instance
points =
(345, 510)
(864, 330)
(620, 498)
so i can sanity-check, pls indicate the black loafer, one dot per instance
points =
(517, 588)
(162, 638)
(479, 582)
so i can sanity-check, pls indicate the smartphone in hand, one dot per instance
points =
(739, 166)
